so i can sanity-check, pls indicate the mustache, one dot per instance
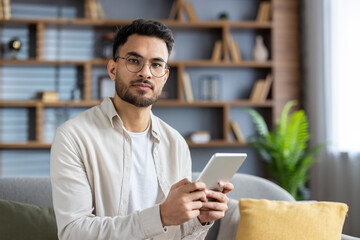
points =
(144, 81)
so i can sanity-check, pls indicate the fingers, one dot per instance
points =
(194, 205)
(226, 186)
(180, 183)
(195, 186)
(217, 196)
(197, 195)
(215, 206)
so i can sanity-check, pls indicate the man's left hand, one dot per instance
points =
(213, 210)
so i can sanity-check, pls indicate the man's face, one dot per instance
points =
(141, 89)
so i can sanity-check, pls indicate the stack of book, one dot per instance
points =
(189, 96)
(5, 10)
(239, 136)
(181, 9)
(261, 89)
(94, 10)
(48, 96)
(231, 46)
(264, 12)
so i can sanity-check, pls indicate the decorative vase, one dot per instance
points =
(260, 52)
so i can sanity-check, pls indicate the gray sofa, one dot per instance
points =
(38, 191)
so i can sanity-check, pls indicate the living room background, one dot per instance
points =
(84, 42)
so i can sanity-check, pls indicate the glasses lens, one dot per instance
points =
(134, 64)
(158, 69)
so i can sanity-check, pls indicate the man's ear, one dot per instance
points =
(111, 68)
(166, 76)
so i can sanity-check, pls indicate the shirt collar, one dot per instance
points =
(107, 106)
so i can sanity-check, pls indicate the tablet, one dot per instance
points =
(221, 167)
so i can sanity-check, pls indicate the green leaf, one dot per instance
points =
(282, 129)
(284, 149)
(259, 122)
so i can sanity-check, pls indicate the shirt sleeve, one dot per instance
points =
(73, 201)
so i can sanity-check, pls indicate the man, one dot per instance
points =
(119, 172)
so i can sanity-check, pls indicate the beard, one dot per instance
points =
(137, 99)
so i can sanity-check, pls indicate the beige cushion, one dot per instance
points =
(282, 220)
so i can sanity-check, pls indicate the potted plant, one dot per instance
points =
(284, 149)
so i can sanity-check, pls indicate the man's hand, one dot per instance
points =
(216, 209)
(183, 202)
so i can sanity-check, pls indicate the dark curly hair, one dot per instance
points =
(146, 28)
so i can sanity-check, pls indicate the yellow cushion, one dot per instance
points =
(280, 220)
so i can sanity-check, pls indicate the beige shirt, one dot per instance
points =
(90, 172)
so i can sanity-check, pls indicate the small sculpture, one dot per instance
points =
(260, 52)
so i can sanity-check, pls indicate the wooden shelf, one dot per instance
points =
(217, 143)
(208, 63)
(25, 145)
(35, 103)
(170, 23)
(41, 62)
(40, 145)
(160, 103)
(186, 63)
(240, 103)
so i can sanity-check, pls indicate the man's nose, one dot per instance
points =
(145, 72)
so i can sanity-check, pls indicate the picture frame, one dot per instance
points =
(106, 87)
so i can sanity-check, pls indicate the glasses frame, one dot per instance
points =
(126, 58)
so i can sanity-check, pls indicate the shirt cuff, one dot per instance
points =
(199, 225)
(151, 222)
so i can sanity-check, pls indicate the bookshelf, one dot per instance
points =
(282, 41)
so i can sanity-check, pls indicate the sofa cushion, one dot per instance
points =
(282, 220)
(26, 221)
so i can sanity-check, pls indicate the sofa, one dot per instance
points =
(37, 191)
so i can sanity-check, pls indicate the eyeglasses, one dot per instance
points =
(136, 64)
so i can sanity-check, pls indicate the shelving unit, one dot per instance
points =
(284, 65)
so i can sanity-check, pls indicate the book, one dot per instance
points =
(48, 96)
(100, 10)
(267, 12)
(189, 97)
(189, 9)
(263, 14)
(239, 136)
(238, 50)
(6, 9)
(87, 9)
(260, 12)
(93, 10)
(233, 49)
(1, 10)
(266, 88)
(200, 137)
(256, 91)
(216, 54)
(175, 9)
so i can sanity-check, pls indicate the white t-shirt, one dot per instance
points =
(144, 188)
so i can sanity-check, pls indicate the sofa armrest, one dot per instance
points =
(346, 237)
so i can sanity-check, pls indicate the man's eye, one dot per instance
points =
(133, 60)
(157, 65)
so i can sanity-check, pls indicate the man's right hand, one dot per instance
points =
(183, 202)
